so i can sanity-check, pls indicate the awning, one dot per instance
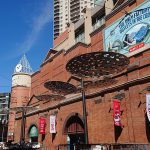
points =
(33, 132)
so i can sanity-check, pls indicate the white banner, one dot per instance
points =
(52, 124)
(148, 106)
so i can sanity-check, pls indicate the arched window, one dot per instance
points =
(74, 125)
(33, 134)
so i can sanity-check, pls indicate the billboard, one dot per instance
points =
(131, 32)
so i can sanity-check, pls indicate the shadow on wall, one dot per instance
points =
(43, 137)
(118, 130)
(147, 124)
(53, 136)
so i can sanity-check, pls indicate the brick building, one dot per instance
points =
(110, 34)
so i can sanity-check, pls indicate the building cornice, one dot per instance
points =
(119, 8)
(97, 30)
(51, 58)
(75, 46)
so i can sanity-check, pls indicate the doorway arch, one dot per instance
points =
(74, 129)
(33, 134)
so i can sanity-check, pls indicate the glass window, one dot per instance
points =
(80, 36)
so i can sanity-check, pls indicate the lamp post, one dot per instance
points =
(84, 112)
(23, 110)
(95, 64)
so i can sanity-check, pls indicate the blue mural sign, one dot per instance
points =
(129, 33)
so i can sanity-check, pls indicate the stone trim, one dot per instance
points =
(97, 30)
(51, 58)
(76, 45)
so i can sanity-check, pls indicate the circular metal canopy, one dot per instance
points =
(97, 64)
(60, 87)
(49, 97)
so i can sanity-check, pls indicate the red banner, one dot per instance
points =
(117, 113)
(42, 125)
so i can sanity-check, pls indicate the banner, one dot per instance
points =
(148, 106)
(52, 124)
(42, 125)
(116, 113)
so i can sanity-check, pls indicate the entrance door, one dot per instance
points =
(74, 128)
(76, 139)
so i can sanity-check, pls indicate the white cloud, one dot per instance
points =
(38, 23)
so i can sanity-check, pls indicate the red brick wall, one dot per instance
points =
(19, 97)
(61, 38)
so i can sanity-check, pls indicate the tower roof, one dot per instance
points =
(23, 66)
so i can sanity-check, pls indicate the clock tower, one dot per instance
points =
(20, 91)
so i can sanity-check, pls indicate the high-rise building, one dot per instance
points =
(66, 11)
(4, 106)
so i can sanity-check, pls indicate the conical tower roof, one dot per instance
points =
(23, 66)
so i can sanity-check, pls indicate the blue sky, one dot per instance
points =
(26, 26)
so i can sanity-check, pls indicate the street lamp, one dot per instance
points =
(95, 65)
(23, 110)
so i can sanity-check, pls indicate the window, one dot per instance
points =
(98, 23)
(98, 20)
(79, 35)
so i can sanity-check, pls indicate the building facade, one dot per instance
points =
(125, 29)
(4, 106)
(66, 11)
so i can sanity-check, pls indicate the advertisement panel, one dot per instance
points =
(116, 113)
(42, 125)
(131, 32)
(52, 124)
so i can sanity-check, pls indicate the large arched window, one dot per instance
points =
(74, 125)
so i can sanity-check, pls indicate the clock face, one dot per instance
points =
(18, 68)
